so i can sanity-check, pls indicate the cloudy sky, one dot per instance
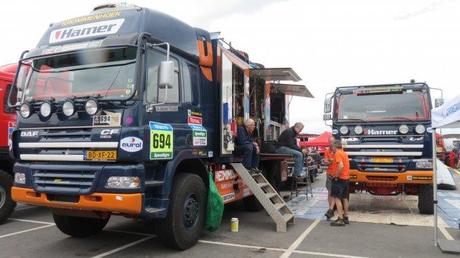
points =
(328, 42)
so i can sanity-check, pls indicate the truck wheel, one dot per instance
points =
(79, 226)
(425, 199)
(252, 204)
(186, 213)
(6, 203)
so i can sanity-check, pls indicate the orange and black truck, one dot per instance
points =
(127, 110)
(386, 133)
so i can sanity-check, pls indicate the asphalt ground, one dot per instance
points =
(380, 227)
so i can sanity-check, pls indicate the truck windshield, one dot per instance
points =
(408, 105)
(106, 73)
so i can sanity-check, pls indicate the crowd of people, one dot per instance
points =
(453, 158)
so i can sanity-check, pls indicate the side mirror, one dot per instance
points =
(327, 105)
(438, 102)
(327, 117)
(166, 75)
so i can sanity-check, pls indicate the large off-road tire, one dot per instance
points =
(79, 226)
(184, 223)
(7, 204)
(252, 204)
(425, 199)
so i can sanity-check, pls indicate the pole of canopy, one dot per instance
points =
(435, 188)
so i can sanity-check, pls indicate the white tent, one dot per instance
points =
(445, 116)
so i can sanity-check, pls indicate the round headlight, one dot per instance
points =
(343, 130)
(91, 107)
(403, 129)
(358, 129)
(420, 129)
(25, 110)
(45, 109)
(68, 108)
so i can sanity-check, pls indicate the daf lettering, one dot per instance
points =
(29, 133)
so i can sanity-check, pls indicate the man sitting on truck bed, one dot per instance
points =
(287, 144)
(247, 146)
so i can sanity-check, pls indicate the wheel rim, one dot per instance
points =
(191, 211)
(2, 196)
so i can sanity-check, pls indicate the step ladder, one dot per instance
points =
(272, 202)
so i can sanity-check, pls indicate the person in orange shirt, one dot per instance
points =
(328, 160)
(340, 185)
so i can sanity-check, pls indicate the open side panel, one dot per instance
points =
(227, 144)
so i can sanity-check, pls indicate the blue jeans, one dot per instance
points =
(250, 156)
(298, 158)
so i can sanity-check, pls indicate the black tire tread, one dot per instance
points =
(6, 181)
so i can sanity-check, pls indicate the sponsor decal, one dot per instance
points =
(228, 197)
(93, 29)
(91, 18)
(161, 141)
(199, 135)
(210, 154)
(409, 178)
(107, 118)
(195, 120)
(29, 133)
(224, 175)
(380, 132)
(131, 144)
(166, 108)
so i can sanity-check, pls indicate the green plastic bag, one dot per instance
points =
(215, 207)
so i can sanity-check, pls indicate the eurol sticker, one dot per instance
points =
(131, 144)
(93, 29)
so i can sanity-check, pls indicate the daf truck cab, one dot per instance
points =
(386, 133)
(127, 110)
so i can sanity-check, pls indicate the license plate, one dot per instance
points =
(101, 155)
(382, 160)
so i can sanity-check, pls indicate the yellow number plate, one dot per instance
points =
(382, 160)
(101, 155)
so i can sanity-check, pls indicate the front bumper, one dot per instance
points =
(388, 178)
(104, 202)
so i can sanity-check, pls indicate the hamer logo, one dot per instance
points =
(86, 30)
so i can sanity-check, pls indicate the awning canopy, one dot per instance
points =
(320, 141)
(292, 89)
(276, 74)
(447, 115)
(235, 59)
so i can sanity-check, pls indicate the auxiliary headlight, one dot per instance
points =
(91, 107)
(424, 163)
(343, 129)
(358, 129)
(420, 129)
(45, 109)
(20, 178)
(68, 108)
(123, 182)
(403, 129)
(25, 110)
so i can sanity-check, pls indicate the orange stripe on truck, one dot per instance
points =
(206, 59)
(107, 202)
(407, 177)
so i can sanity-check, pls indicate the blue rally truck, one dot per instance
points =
(125, 112)
(386, 131)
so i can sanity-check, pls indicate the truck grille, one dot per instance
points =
(63, 144)
(65, 181)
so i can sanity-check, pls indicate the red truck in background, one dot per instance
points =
(440, 148)
(7, 125)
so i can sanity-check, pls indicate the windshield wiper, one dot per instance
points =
(400, 118)
(352, 120)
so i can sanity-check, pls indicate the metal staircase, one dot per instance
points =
(267, 196)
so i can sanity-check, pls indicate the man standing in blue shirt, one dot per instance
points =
(247, 147)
